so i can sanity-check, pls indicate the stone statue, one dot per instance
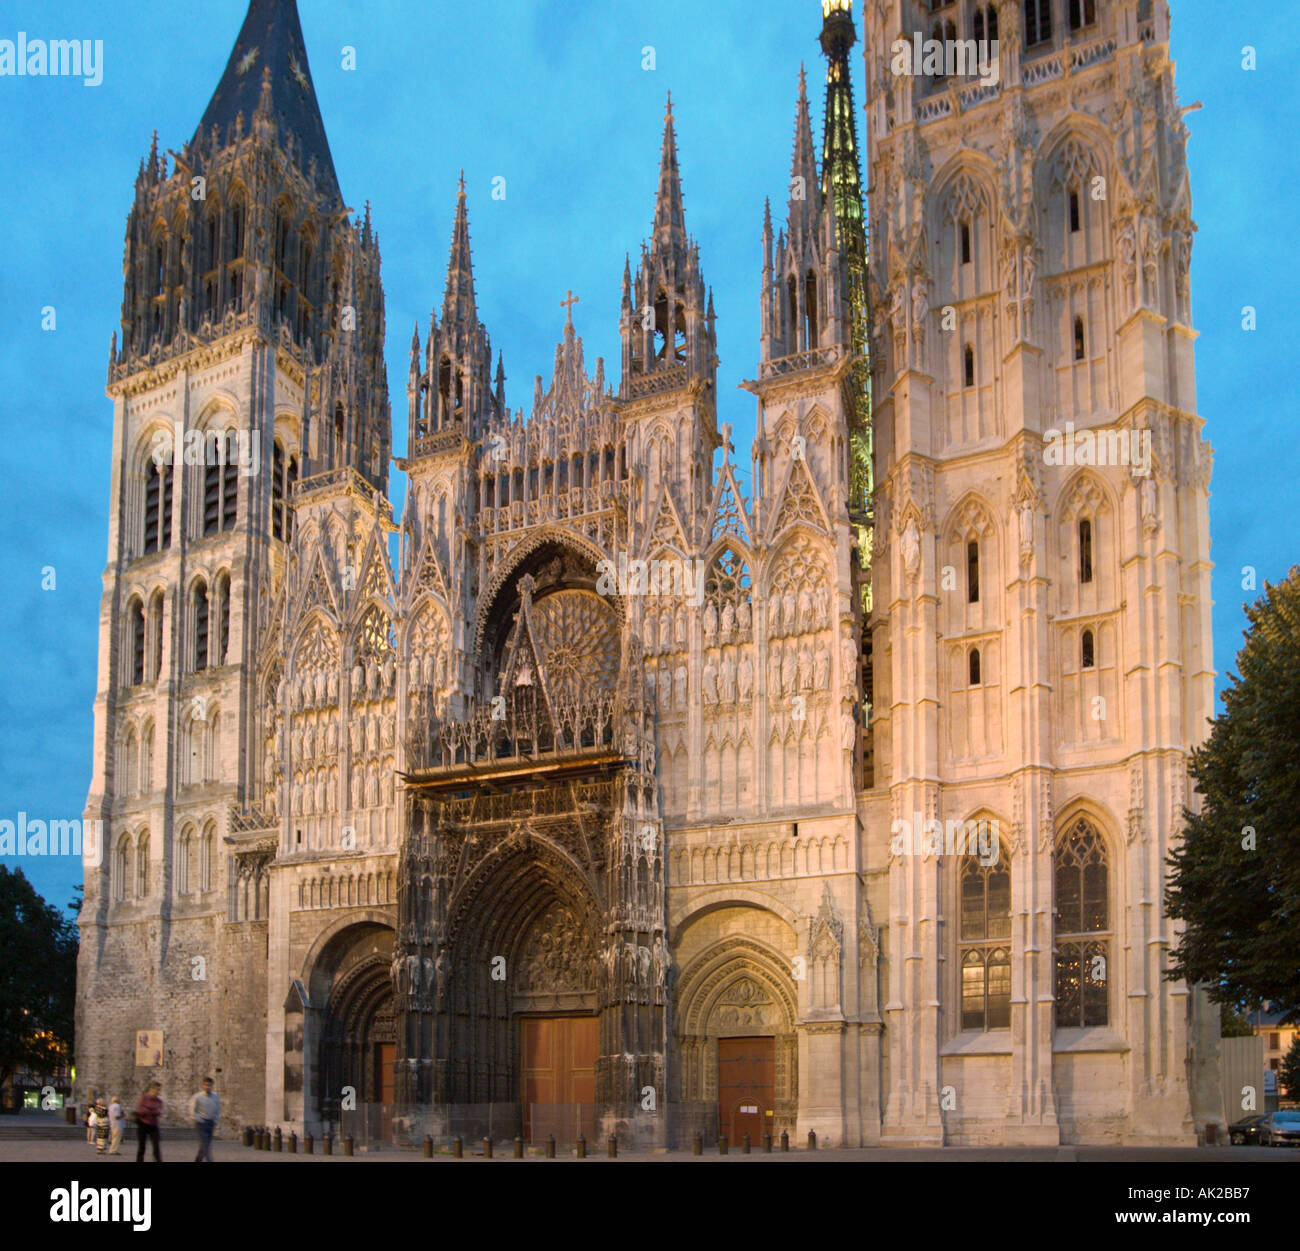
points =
(822, 668)
(790, 671)
(805, 610)
(848, 732)
(823, 601)
(728, 620)
(727, 678)
(745, 617)
(679, 681)
(710, 682)
(651, 624)
(774, 672)
(680, 634)
(790, 611)
(358, 682)
(911, 548)
(710, 622)
(774, 617)
(320, 686)
(666, 688)
(746, 676)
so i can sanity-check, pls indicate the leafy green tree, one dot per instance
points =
(1288, 1072)
(1233, 1023)
(38, 978)
(1235, 879)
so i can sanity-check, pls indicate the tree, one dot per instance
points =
(1233, 1023)
(38, 979)
(1288, 1072)
(1235, 879)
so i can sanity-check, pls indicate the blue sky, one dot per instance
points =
(553, 98)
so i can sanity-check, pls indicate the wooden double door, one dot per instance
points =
(746, 1087)
(558, 1069)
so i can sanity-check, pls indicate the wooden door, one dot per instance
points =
(746, 1087)
(558, 1063)
(385, 1077)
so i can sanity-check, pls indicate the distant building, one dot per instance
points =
(1278, 1040)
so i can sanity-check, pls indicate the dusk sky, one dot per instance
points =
(553, 98)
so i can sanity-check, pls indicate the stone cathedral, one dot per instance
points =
(594, 794)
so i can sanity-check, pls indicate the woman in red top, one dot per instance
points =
(148, 1112)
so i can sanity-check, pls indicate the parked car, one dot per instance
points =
(1246, 1132)
(1281, 1128)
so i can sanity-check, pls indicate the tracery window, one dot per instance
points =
(156, 634)
(968, 366)
(1038, 21)
(1082, 13)
(973, 572)
(157, 507)
(974, 666)
(184, 856)
(1087, 655)
(142, 867)
(1082, 937)
(221, 589)
(284, 474)
(206, 853)
(1079, 348)
(984, 945)
(122, 866)
(1085, 550)
(135, 617)
(199, 617)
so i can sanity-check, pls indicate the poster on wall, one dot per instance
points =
(148, 1048)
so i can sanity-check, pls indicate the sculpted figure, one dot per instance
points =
(790, 671)
(332, 687)
(679, 681)
(681, 627)
(710, 622)
(774, 672)
(746, 676)
(911, 548)
(320, 686)
(728, 620)
(805, 610)
(651, 625)
(822, 668)
(727, 678)
(710, 682)
(774, 617)
(745, 617)
(847, 731)
(413, 679)
(666, 688)
(823, 604)
(665, 630)
(358, 681)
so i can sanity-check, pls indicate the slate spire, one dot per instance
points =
(458, 303)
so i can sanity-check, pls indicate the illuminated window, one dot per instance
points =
(984, 945)
(1082, 928)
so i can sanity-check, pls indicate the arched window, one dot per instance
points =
(146, 761)
(212, 750)
(230, 482)
(284, 473)
(810, 309)
(1082, 928)
(1085, 550)
(199, 616)
(142, 867)
(1075, 215)
(986, 22)
(965, 242)
(973, 572)
(1038, 21)
(135, 618)
(1082, 13)
(1078, 339)
(974, 666)
(238, 216)
(1086, 651)
(221, 588)
(968, 366)
(156, 634)
(157, 507)
(123, 863)
(184, 859)
(984, 945)
(128, 765)
(207, 847)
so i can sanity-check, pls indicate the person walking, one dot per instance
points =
(99, 1119)
(148, 1112)
(90, 1121)
(205, 1107)
(116, 1125)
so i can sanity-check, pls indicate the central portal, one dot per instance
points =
(558, 1063)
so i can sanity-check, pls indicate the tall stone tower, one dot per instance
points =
(250, 355)
(1041, 627)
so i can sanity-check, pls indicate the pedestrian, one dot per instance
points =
(205, 1107)
(90, 1120)
(148, 1112)
(116, 1125)
(99, 1115)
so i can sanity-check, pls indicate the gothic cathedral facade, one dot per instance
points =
(596, 795)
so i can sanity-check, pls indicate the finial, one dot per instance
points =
(567, 305)
(461, 192)
(668, 114)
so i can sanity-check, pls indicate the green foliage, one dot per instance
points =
(1233, 1023)
(1288, 1072)
(1235, 879)
(38, 978)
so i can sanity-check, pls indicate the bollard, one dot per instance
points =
(519, 1147)
(613, 1147)
(550, 1147)
(457, 1148)
(248, 1135)
(279, 1140)
(487, 1148)
(812, 1140)
(428, 1146)
(785, 1141)
(293, 1142)
(697, 1147)
(347, 1145)
(582, 1146)
(329, 1143)
(744, 1144)
(723, 1144)
(308, 1145)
